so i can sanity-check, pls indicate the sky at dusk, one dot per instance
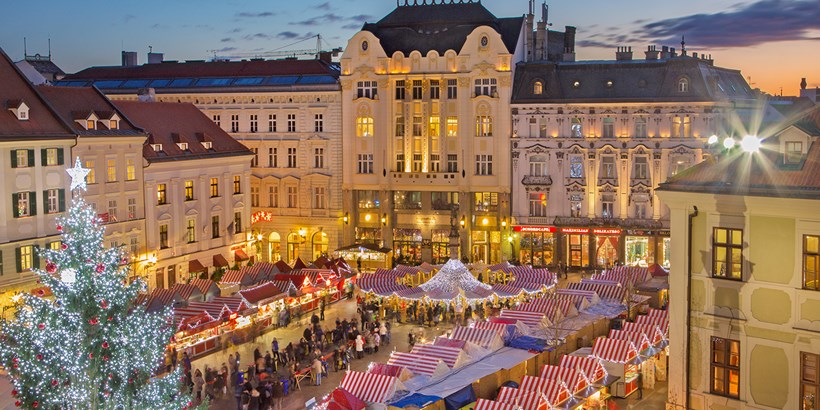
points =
(775, 42)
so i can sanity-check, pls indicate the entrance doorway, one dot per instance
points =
(274, 247)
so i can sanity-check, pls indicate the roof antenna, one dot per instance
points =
(25, 50)
(683, 45)
(49, 49)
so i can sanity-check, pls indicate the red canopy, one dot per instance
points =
(657, 270)
(341, 399)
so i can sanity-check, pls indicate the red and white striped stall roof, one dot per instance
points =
(574, 379)
(507, 290)
(589, 295)
(498, 327)
(484, 404)
(372, 388)
(612, 293)
(652, 332)
(416, 363)
(527, 400)
(592, 368)
(449, 355)
(554, 392)
(503, 266)
(661, 323)
(231, 277)
(638, 339)
(481, 337)
(535, 320)
(613, 350)
(658, 313)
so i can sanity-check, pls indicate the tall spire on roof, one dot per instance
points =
(683, 45)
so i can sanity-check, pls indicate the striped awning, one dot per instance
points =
(614, 350)
(575, 294)
(574, 379)
(484, 404)
(449, 355)
(554, 392)
(592, 368)
(638, 339)
(527, 400)
(534, 320)
(186, 291)
(482, 337)
(661, 323)
(231, 277)
(658, 313)
(501, 328)
(611, 293)
(240, 255)
(372, 388)
(416, 363)
(652, 332)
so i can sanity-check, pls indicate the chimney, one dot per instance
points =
(664, 52)
(129, 58)
(695, 55)
(672, 52)
(803, 83)
(326, 56)
(623, 54)
(530, 36)
(146, 95)
(569, 39)
(155, 58)
(651, 53)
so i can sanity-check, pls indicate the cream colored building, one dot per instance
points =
(425, 99)
(592, 140)
(744, 311)
(288, 112)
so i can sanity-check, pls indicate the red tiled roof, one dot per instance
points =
(163, 120)
(69, 101)
(208, 69)
(42, 122)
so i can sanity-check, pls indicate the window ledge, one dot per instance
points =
(731, 399)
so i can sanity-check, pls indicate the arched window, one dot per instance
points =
(294, 240)
(683, 85)
(364, 126)
(274, 247)
(538, 88)
(320, 244)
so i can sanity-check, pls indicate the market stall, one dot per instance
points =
(591, 367)
(536, 321)
(485, 338)
(453, 357)
(372, 256)
(573, 379)
(419, 364)
(341, 399)
(524, 399)
(187, 292)
(371, 388)
(612, 293)
(582, 298)
(484, 404)
(620, 358)
(553, 393)
(389, 370)
(196, 332)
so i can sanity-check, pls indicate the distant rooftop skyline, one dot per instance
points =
(774, 42)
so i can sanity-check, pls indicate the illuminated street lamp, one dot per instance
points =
(750, 143)
(728, 143)
(712, 140)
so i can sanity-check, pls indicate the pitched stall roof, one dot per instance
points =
(170, 123)
(439, 27)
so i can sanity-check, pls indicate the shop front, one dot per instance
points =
(485, 246)
(607, 252)
(407, 245)
(576, 246)
(645, 247)
(536, 244)
(440, 242)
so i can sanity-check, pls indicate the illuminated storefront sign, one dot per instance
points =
(520, 228)
(575, 230)
(261, 216)
(606, 231)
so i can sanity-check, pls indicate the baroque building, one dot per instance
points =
(425, 100)
(287, 112)
(592, 140)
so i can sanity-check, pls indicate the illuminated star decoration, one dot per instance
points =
(77, 175)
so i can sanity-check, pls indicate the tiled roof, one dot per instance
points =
(194, 69)
(45, 66)
(79, 102)
(163, 120)
(439, 27)
(14, 89)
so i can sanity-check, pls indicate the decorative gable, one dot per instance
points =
(19, 109)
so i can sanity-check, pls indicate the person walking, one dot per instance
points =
(359, 346)
(316, 368)
(199, 381)
(322, 309)
(278, 394)
(640, 385)
(274, 349)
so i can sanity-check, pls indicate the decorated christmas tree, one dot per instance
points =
(92, 346)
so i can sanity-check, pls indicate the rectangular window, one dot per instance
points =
(189, 190)
(319, 198)
(435, 163)
(237, 222)
(483, 126)
(725, 367)
(291, 122)
(444, 201)
(214, 187)
(399, 162)
(134, 245)
(255, 159)
(452, 89)
(576, 167)
(727, 253)
(435, 89)
(163, 236)
(417, 90)
(112, 210)
(366, 89)
(406, 199)
(811, 262)
(364, 126)
(55, 200)
(254, 122)
(538, 204)
(681, 126)
(452, 126)
(130, 169)
(318, 123)
(190, 230)
(26, 258)
(293, 197)
(91, 177)
(640, 210)
(368, 199)
(273, 160)
(417, 162)
(132, 208)
(607, 205)
(485, 86)
(483, 164)
(809, 380)
(485, 201)
(318, 158)
(365, 164)
(640, 127)
(640, 168)
(254, 196)
(22, 158)
(217, 120)
(162, 198)
(237, 184)
(452, 162)
(112, 170)
(273, 196)
(52, 156)
(234, 123)
(417, 126)
(291, 157)
(794, 152)
(215, 226)
(608, 167)
(272, 123)
(538, 166)
(434, 128)
(399, 127)
(609, 127)
(400, 90)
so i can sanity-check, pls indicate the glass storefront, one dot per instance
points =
(536, 248)
(607, 250)
(294, 240)
(639, 251)
(320, 244)
(576, 250)
(480, 250)
(407, 245)
(665, 252)
(369, 235)
(440, 242)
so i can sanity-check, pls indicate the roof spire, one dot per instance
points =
(683, 45)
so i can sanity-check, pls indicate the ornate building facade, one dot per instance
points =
(592, 140)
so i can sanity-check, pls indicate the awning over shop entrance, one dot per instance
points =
(194, 266)
(240, 255)
(220, 261)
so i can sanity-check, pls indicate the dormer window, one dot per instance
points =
(156, 147)
(207, 144)
(90, 124)
(793, 153)
(19, 109)
(538, 88)
(22, 115)
(113, 124)
(183, 146)
(683, 85)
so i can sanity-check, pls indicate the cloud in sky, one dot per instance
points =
(324, 6)
(226, 40)
(287, 35)
(226, 49)
(258, 36)
(318, 20)
(742, 25)
(247, 14)
(352, 26)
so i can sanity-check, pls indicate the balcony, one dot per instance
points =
(424, 178)
(544, 180)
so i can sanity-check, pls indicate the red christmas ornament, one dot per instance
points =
(124, 261)
(35, 404)
(105, 345)
(51, 267)
(14, 366)
(15, 360)
(130, 380)
(63, 246)
(105, 358)
(41, 292)
(41, 326)
(59, 227)
(14, 392)
(110, 318)
(104, 304)
(91, 355)
(17, 403)
(54, 383)
(93, 321)
(190, 404)
(110, 375)
(100, 268)
(107, 394)
(39, 357)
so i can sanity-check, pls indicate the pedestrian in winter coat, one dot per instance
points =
(199, 381)
(359, 346)
(316, 368)
(376, 341)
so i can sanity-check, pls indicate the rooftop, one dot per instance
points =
(79, 103)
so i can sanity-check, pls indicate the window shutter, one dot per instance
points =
(32, 199)
(14, 158)
(61, 196)
(43, 156)
(35, 257)
(15, 209)
(17, 259)
(45, 202)
(31, 157)
(60, 156)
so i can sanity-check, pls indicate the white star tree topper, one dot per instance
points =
(77, 175)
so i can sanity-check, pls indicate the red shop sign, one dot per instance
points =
(575, 230)
(606, 231)
(261, 216)
(531, 228)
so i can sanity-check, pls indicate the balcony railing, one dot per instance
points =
(537, 180)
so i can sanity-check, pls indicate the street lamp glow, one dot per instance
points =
(728, 143)
(750, 143)
(713, 139)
